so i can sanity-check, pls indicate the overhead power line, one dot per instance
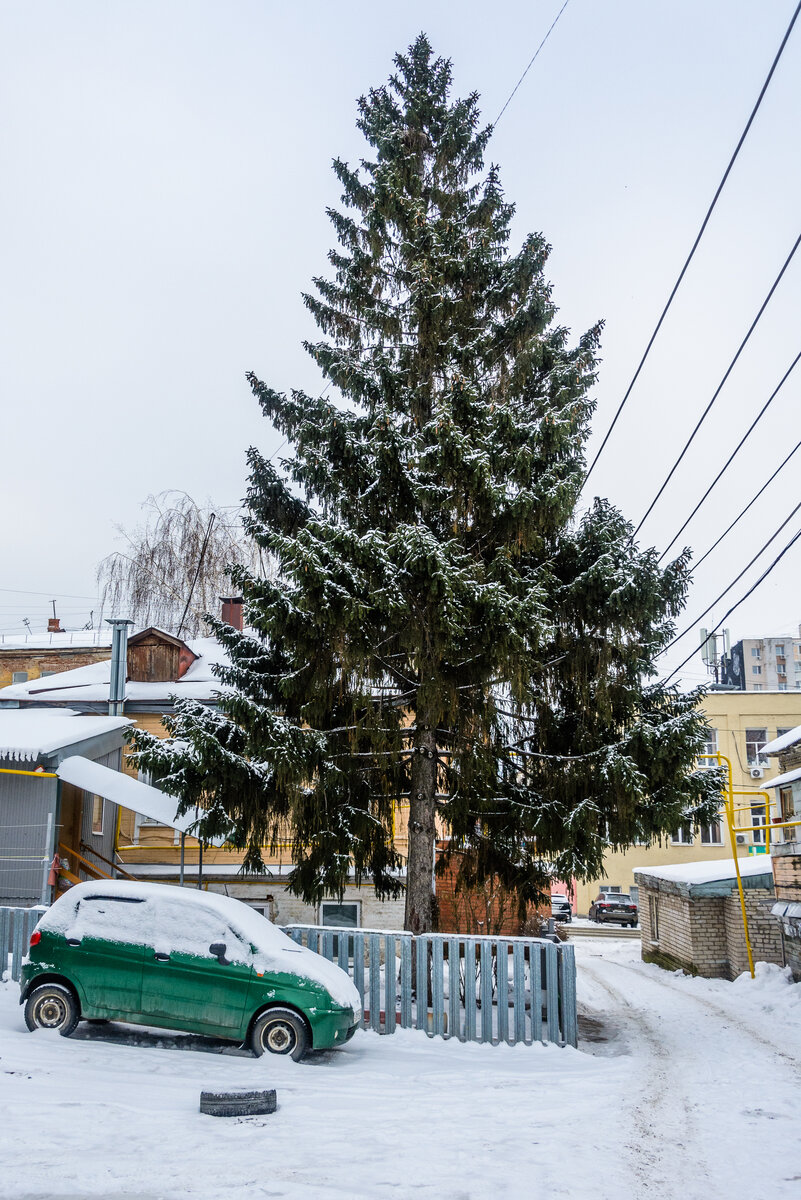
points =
(720, 386)
(531, 64)
(736, 579)
(742, 600)
(734, 452)
(699, 235)
(751, 502)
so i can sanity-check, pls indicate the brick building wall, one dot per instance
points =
(55, 659)
(704, 934)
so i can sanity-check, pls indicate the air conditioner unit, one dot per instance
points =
(757, 772)
(740, 839)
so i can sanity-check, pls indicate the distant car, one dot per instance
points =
(178, 958)
(560, 907)
(614, 906)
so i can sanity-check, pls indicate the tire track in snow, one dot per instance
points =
(651, 1148)
(722, 1014)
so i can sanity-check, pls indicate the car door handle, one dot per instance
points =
(159, 957)
(73, 941)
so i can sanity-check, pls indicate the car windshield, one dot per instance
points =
(616, 899)
(558, 899)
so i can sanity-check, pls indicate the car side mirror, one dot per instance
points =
(218, 950)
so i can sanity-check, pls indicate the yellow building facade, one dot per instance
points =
(742, 722)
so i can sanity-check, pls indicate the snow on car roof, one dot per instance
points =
(271, 944)
(27, 734)
(710, 872)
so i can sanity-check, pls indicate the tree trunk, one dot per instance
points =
(419, 916)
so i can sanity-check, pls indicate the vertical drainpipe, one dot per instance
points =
(119, 664)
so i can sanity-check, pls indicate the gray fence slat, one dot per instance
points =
(454, 1015)
(297, 936)
(470, 990)
(17, 923)
(358, 969)
(313, 939)
(567, 992)
(343, 951)
(406, 980)
(327, 949)
(5, 918)
(486, 990)
(437, 987)
(421, 982)
(552, 991)
(502, 991)
(375, 982)
(389, 983)
(519, 991)
(535, 952)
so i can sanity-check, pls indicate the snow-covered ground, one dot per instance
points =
(691, 1090)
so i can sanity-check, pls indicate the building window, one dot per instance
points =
(710, 834)
(653, 913)
(781, 732)
(44, 674)
(787, 810)
(757, 820)
(780, 648)
(756, 670)
(606, 888)
(97, 814)
(782, 685)
(757, 687)
(683, 836)
(345, 915)
(755, 739)
(19, 676)
(755, 652)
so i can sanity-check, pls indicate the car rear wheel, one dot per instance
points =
(280, 1031)
(52, 1006)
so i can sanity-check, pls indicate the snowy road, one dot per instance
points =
(691, 1093)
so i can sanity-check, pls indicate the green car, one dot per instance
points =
(183, 959)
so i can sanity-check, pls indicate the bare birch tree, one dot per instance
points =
(173, 567)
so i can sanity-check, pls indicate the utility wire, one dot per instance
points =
(699, 235)
(531, 64)
(734, 452)
(742, 600)
(752, 501)
(719, 388)
(737, 579)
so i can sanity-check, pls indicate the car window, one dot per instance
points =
(190, 929)
(109, 917)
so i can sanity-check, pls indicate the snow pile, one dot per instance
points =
(26, 735)
(782, 743)
(183, 920)
(710, 872)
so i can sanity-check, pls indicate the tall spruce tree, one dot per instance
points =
(444, 631)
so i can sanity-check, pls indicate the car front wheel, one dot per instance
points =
(280, 1031)
(52, 1006)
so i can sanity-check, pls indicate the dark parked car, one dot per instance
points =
(560, 907)
(614, 906)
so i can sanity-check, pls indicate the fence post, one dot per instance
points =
(421, 980)
(358, 969)
(502, 989)
(567, 993)
(406, 980)
(470, 989)
(375, 982)
(552, 991)
(519, 991)
(389, 983)
(437, 987)
(454, 1022)
(486, 990)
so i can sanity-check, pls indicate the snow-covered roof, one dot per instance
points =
(27, 734)
(718, 870)
(65, 640)
(123, 790)
(90, 684)
(784, 742)
(781, 780)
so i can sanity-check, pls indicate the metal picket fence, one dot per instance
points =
(476, 989)
(16, 927)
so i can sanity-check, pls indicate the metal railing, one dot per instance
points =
(16, 927)
(475, 989)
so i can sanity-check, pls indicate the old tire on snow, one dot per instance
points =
(238, 1104)
(52, 1006)
(279, 1031)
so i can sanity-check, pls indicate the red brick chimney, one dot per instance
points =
(54, 625)
(232, 610)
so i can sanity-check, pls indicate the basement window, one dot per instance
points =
(345, 915)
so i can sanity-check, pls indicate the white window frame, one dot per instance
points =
(94, 797)
(339, 904)
(19, 676)
(683, 836)
(707, 829)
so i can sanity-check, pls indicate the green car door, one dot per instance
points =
(102, 952)
(185, 983)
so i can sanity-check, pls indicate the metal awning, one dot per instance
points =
(124, 790)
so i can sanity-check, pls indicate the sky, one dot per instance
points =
(167, 165)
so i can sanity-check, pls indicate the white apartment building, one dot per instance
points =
(764, 664)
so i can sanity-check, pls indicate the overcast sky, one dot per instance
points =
(166, 169)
